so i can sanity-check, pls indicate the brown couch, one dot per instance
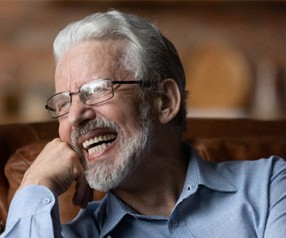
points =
(214, 139)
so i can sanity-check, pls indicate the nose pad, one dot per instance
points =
(79, 112)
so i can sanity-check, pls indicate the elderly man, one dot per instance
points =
(120, 102)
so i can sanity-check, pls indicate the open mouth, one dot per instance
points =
(98, 143)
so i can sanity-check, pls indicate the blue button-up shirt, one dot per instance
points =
(230, 199)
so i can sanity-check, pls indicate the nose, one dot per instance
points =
(79, 112)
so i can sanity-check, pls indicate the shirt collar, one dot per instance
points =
(114, 211)
(203, 173)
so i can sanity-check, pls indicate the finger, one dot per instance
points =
(56, 167)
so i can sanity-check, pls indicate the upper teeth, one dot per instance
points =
(86, 144)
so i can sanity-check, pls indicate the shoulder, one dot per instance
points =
(270, 164)
(259, 172)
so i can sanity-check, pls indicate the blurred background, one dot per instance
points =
(233, 52)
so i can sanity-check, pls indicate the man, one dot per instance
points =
(120, 101)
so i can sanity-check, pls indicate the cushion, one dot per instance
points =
(241, 148)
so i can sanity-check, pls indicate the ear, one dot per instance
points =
(169, 100)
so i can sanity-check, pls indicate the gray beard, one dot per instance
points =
(107, 174)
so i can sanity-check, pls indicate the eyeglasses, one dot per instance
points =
(91, 93)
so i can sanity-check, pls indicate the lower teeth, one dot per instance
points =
(98, 148)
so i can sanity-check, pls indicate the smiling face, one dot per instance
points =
(111, 136)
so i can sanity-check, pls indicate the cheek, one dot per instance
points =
(64, 132)
(129, 118)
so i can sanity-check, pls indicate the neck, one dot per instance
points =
(156, 184)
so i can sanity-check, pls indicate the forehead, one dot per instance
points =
(87, 61)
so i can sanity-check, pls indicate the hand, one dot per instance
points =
(56, 168)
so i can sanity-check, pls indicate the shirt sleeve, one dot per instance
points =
(276, 222)
(33, 213)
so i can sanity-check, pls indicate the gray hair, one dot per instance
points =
(148, 54)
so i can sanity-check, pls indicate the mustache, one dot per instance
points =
(95, 124)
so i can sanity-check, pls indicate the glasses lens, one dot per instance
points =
(59, 104)
(96, 92)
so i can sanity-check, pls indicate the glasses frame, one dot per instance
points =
(70, 94)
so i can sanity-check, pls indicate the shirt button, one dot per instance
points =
(46, 201)
(191, 187)
(174, 223)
